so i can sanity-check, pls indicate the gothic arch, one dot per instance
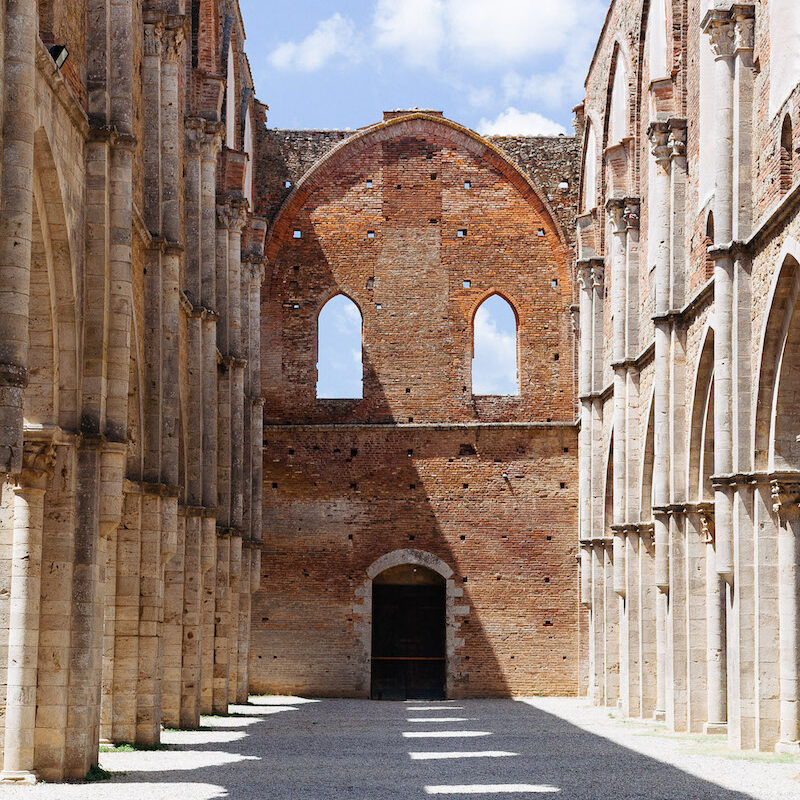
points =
(53, 322)
(701, 430)
(775, 447)
(646, 483)
(417, 124)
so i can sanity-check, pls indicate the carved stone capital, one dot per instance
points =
(153, 34)
(172, 44)
(38, 463)
(677, 137)
(598, 276)
(584, 275)
(705, 512)
(786, 498)
(615, 208)
(632, 213)
(195, 136)
(658, 133)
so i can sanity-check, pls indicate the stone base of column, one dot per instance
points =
(715, 728)
(788, 748)
(659, 715)
(18, 777)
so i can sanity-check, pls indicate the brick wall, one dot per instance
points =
(487, 484)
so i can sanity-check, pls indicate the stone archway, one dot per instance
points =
(363, 609)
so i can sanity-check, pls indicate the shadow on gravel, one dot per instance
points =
(355, 750)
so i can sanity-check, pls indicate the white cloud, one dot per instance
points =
(506, 31)
(414, 27)
(332, 37)
(513, 122)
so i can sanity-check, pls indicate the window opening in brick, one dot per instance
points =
(494, 361)
(563, 185)
(287, 184)
(554, 282)
(434, 220)
(466, 284)
(369, 183)
(540, 232)
(378, 306)
(298, 234)
(467, 184)
(433, 176)
(339, 352)
(462, 232)
(295, 306)
(786, 155)
(370, 234)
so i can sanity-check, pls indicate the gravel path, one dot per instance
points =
(291, 749)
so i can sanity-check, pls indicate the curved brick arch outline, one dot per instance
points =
(412, 125)
(362, 628)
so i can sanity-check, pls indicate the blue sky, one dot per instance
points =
(497, 66)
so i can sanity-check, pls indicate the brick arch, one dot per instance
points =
(363, 628)
(411, 125)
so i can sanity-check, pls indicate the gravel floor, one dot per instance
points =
(291, 749)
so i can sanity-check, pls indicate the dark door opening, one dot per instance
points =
(408, 634)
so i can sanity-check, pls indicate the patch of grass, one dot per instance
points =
(97, 773)
(129, 747)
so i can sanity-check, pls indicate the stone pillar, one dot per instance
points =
(16, 221)
(243, 649)
(172, 631)
(222, 621)
(234, 597)
(192, 627)
(648, 623)
(718, 25)
(786, 499)
(208, 566)
(25, 600)
(716, 659)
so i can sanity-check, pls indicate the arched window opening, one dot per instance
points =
(784, 51)
(709, 242)
(494, 361)
(618, 107)
(250, 149)
(785, 165)
(339, 359)
(589, 198)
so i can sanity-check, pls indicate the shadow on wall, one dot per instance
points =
(338, 749)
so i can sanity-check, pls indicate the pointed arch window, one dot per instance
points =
(589, 198)
(340, 373)
(494, 355)
(230, 102)
(618, 107)
(657, 39)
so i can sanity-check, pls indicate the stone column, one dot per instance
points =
(585, 435)
(172, 631)
(716, 659)
(16, 221)
(718, 25)
(234, 596)
(222, 621)
(23, 636)
(191, 627)
(786, 499)
(208, 566)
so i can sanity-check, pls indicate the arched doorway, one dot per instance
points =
(408, 634)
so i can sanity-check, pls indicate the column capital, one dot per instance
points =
(677, 137)
(598, 276)
(195, 136)
(615, 209)
(153, 34)
(658, 133)
(632, 213)
(705, 512)
(786, 496)
(731, 29)
(172, 43)
(38, 463)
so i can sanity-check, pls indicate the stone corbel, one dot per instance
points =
(786, 497)
(705, 512)
(38, 464)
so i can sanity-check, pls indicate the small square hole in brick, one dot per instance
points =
(412, 485)
(378, 306)
(295, 306)
(466, 284)
(399, 186)
(296, 268)
(554, 283)
(274, 485)
(563, 485)
(467, 184)
(464, 580)
(410, 452)
(465, 485)
(354, 486)
(566, 449)
(369, 183)
(434, 221)
(287, 184)
(291, 451)
(540, 232)
(370, 234)
(433, 176)
(547, 623)
(549, 538)
(547, 580)
(370, 283)
(350, 536)
(563, 185)
(408, 391)
(353, 452)
(556, 356)
(411, 537)
(411, 419)
(462, 232)
(463, 538)
(298, 234)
